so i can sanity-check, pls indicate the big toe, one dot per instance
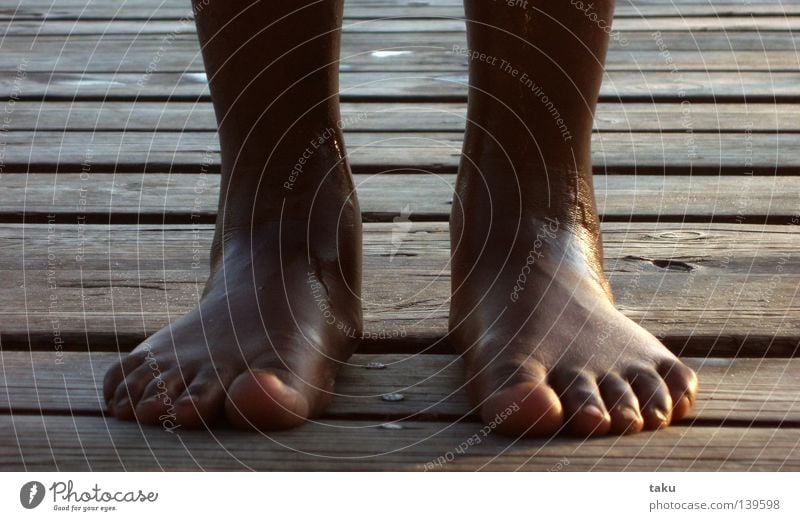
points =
(259, 399)
(524, 409)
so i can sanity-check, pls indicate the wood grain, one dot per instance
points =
(374, 152)
(59, 443)
(722, 289)
(628, 86)
(126, 47)
(371, 20)
(733, 391)
(355, 9)
(404, 117)
(106, 198)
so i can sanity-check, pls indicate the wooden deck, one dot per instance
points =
(109, 186)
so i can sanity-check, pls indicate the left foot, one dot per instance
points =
(546, 350)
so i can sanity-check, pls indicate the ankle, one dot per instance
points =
(311, 185)
(529, 191)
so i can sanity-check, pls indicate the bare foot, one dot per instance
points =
(546, 351)
(545, 348)
(281, 310)
(264, 344)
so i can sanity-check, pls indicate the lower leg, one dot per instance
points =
(532, 311)
(281, 306)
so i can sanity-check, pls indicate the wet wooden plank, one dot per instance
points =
(719, 289)
(354, 9)
(158, 9)
(174, 36)
(692, 86)
(60, 443)
(153, 198)
(612, 152)
(732, 391)
(172, 47)
(405, 117)
(663, 24)
(387, 20)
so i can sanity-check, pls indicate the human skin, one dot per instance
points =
(532, 312)
(281, 310)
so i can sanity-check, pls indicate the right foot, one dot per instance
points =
(281, 310)
(280, 313)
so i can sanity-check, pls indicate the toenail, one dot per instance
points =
(593, 410)
(122, 403)
(148, 400)
(188, 398)
(685, 403)
(662, 418)
(629, 414)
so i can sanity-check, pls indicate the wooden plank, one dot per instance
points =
(692, 86)
(172, 36)
(61, 443)
(710, 289)
(663, 24)
(175, 49)
(105, 9)
(403, 117)
(158, 9)
(376, 20)
(737, 390)
(612, 152)
(162, 198)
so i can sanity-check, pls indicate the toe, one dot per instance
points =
(157, 402)
(653, 395)
(522, 403)
(682, 384)
(129, 392)
(585, 413)
(260, 399)
(622, 404)
(116, 374)
(525, 409)
(202, 402)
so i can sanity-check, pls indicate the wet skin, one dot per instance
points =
(534, 318)
(281, 310)
(531, 311)
(265, 342)
(541, 337)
